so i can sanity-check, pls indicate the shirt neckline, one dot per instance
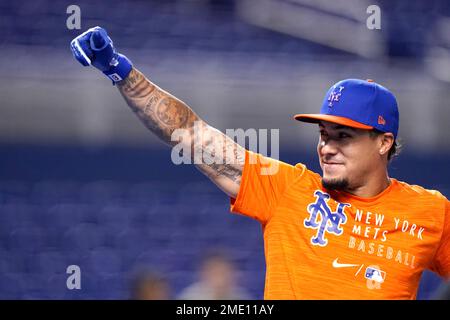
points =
(383, 193)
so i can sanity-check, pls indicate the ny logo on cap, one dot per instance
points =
(334, 96)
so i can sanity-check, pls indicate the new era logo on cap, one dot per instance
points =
(357, 103)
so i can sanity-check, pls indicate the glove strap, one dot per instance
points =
(120, 68)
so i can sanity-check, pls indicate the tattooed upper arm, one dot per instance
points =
(163, 113)
(229, 158)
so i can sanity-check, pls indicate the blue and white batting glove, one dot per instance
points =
(94, 47)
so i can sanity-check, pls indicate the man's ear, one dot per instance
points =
(386, 142)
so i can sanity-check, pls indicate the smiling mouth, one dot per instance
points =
(331, 163)
(327, 166)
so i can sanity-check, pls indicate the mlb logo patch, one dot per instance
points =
(375, 274)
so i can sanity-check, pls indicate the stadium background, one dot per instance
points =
(83, 182)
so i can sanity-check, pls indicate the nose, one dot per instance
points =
(327, 147)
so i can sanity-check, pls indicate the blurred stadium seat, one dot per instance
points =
(107, 238)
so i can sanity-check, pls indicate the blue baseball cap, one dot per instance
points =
(357, 103)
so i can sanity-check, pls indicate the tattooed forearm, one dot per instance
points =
(163, 113)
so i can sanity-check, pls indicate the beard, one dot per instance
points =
(335, 184)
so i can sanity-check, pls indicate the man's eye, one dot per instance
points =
(343, 135)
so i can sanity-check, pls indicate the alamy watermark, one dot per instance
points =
(205, 145)
(74, 280)
(74, 19)
(373, 22)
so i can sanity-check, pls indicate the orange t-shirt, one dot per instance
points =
(322, 244)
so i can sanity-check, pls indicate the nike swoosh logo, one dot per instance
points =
(336, 264)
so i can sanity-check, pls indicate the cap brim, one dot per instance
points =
(315, 118)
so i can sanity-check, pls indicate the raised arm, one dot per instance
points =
(162, 114)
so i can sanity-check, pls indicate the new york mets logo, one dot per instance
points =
(322, 219)
(335, 95)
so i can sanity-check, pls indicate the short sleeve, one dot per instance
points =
(441, 262)
(263, 182)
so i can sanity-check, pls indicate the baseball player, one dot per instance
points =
(352, 233)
